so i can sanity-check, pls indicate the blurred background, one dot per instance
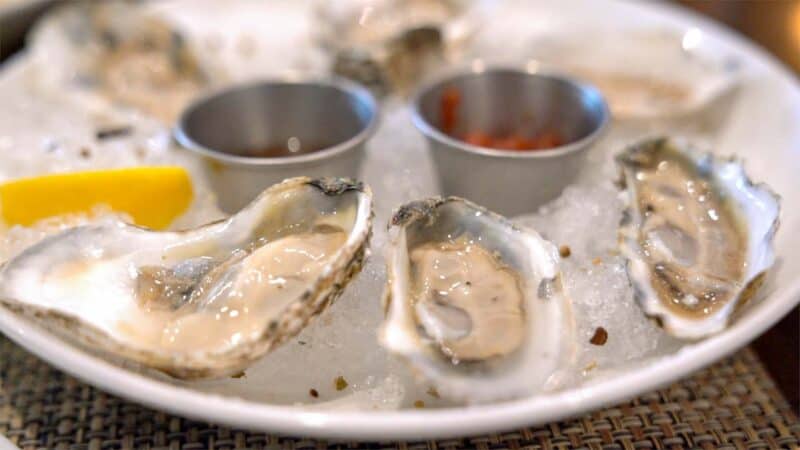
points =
(773, 24)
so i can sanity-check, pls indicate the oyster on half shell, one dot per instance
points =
(645, 74)
(204, 302)
(118, 53)
(697, 234)
(389, 45)
(475, 304)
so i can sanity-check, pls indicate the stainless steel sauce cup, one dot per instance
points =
(322, 124)
(495, 100)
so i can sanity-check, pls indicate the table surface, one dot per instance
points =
(731, 405)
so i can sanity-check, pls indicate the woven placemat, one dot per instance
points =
(731, 405)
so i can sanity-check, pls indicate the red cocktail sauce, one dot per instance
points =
(449, 104)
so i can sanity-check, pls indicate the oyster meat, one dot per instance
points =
(475, 304)
(204, 302)
(697, 234)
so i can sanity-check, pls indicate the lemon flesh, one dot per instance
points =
(152, 196)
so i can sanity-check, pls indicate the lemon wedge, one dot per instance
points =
(152, 196)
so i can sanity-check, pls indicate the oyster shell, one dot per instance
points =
(697, 235)
(475, 304)
(204, 302)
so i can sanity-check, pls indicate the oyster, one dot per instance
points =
(645, 74)
(204, 302)
(388, 45)
(697, 235)
(124, 54)
(474, 303)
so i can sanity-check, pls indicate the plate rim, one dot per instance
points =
(434, 423)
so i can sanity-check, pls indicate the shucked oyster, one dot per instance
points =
(389, 45)
(475, 304)
(697, 234)
(126, 55)
(205, 302)
(645, 74)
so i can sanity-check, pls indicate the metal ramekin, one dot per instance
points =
(511, 182)
(335, 115)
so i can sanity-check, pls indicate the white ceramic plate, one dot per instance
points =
(764, 130)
